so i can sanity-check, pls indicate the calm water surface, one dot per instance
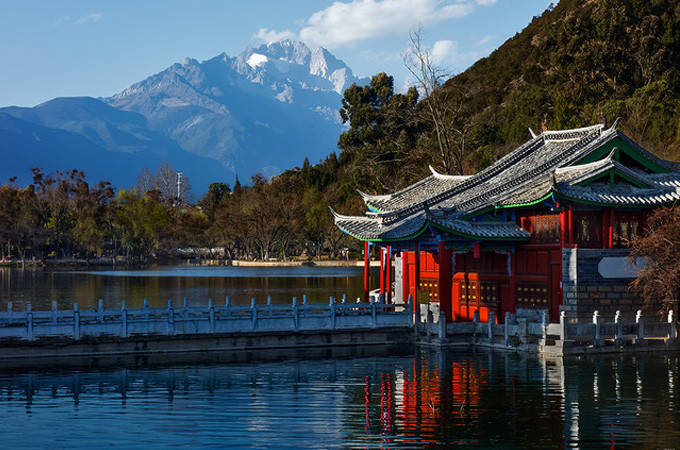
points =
(161, 283)
(374, 398)
(477, 400)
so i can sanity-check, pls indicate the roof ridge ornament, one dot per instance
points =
(533, 135)
(612, 155)
(366, 196)
(573, 134)
(337, 216)
(615, 124)
(442, 176)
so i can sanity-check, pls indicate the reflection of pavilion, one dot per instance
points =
(477, 400)
(515, 401)
(484, 399)
(451, 393)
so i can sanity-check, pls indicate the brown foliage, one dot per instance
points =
(659, 280)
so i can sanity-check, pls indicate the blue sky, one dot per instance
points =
(97, 48)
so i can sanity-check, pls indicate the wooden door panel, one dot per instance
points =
(542, 262)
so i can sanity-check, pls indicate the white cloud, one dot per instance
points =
(380, 57)
(94, 17)
(345, 24)
(485, 40)
(266, 35)
(62, 19)
(444, 52)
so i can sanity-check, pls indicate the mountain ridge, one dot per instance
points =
(263, 110)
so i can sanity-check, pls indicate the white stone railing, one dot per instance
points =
(213, 319)
(619, 330)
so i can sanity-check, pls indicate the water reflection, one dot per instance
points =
(431, 398)
(41, 286)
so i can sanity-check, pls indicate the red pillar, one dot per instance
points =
(605, 228)
(445, 281)
(570, 224)
(564, 231)
(388, 274)
(367, 270)
(513, 279)
(404, 278)
(382, 272)
(612, 222)
(417, 277)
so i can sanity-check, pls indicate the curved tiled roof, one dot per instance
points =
(412, 195)
(370, 228)
(545, 165)
(481, 230)
(622, 194)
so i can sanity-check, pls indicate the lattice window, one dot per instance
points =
(587, 229)
(626, 228)
(532, 295)
(544, 228)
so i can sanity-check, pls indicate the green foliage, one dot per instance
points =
(141, 220)
(212, 198)
(578, 63)
(382, 131)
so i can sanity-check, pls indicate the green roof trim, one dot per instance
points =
(439, 227)
(618, 173)
(626, 148)
(489, 209)
(531, 203)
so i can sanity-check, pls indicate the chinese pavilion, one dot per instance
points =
(544, 228)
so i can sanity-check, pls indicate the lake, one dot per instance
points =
(422, 399)
(382, 397)
(161, 283)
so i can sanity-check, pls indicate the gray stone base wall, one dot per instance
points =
(585, 290)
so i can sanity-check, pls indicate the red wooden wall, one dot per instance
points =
(477, 284)
(483, 283)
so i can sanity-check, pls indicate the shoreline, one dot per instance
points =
(244, 263)
(55, 351)
(108, 262)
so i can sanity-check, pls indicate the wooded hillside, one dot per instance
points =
(579, 63)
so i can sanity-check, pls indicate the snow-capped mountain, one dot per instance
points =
(263, 110)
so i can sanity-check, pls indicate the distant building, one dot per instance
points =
(544, 228)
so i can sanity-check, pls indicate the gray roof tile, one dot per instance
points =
(543, 165)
